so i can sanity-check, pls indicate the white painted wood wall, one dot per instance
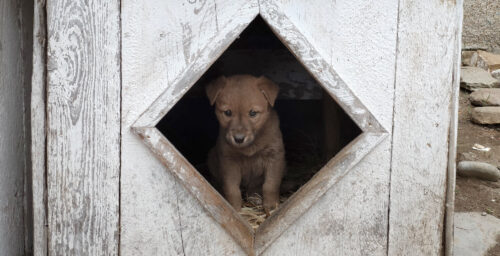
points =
(15, 73)
(108, 61)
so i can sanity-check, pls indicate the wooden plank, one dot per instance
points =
(26, 20)
(425, 99)
(314, 189)
(337, 168)
(218, 208)
(192, 72)
(452, 147)
(149, 216)
(379, 233)
(318, 67)
(327, 177)
(351, 218)
(38, 138)
(83, 127)
(12, 129)
(162, 40)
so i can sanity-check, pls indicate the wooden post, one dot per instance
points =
(425, 106)
(83, 126)
(38, 136)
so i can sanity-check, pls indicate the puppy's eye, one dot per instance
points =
(228, 113)
(252, 113)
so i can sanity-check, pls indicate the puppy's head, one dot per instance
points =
(242, 105)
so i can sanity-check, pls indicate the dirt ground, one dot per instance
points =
(473, 195)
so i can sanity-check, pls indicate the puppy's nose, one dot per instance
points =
(239, 138)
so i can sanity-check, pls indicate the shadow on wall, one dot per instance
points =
(16, 50)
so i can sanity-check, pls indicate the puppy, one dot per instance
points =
(249, 151)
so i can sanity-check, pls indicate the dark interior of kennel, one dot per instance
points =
(314, 127)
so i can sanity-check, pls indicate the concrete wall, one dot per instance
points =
(481, 25)
(15, 73)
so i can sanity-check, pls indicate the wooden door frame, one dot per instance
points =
(215, 205)
(39, 132)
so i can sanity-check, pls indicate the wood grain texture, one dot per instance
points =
(425, 100)
(314, 189)
(358, 39)
(350, 219)
(300, 202)
(38, 137)
(325, 216)
(13, 80)
(200, 62)
(26, 20)
(319, 68)
(83, 127)
(218, 208)
(163, 41)
(352, 216)
(452, 140)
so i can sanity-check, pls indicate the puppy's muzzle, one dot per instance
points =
(239, 138)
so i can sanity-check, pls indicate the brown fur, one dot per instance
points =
(258, 162)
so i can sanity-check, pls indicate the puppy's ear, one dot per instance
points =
(214, 88)
(269, 89)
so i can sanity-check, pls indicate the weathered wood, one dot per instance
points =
(26, 20)
(13, 79)
(163, 41)
(38, 96)
(192, 72)
(340, 91)
(83, 127)
(425, 101)
(342, 223)
(452, 140)
(319, 68)
(314, 189)
(374, 132)
(209, 198)
(351, 218)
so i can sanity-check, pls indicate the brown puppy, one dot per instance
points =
(249, 151)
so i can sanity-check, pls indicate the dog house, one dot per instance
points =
(367, 105)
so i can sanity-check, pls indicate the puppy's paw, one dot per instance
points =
(237, 207)
(270, 207)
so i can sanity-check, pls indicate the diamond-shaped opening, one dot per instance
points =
(313, 125)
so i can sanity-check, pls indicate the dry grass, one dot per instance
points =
(304, 159)
(253, 212)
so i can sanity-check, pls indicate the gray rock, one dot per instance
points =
(496, 74)
(486, 97)
(473, 78)
(486, 115)
(466, 57)
(474, 234)
(485, 60)
(478, 170)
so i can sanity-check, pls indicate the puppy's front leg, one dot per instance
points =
(274, 171)
(231, 180)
